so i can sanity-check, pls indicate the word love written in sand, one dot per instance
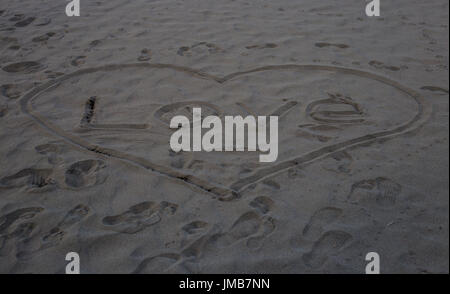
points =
(212, 139)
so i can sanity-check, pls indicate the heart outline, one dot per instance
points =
(235, 190)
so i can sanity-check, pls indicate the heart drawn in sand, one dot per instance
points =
(122, 111)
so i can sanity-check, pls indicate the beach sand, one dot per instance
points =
(86, 166)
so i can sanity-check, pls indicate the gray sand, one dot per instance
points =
(363, 136)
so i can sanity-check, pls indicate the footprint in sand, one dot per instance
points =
(23, 67)
(43, 22)
(324, 44)
(139, 216)
(199, 48)
(8, 41)
(43, 38)
(194, 236)
(250, 226)
(272, 184)
(434, 89)
(6, 221)
(381, 65)
(263, 204)
(17, 17)
(319, 220)
(381, 191)
(21, 234)
(268, 225)
(12, 234)
(195, 227)
(296, 172)
(85, 173)
(329, 244)
(157, 264)
(56, 234)
(29, 247)
(51, 151)
(33, 179)
(11, 91)
(262, 46)
(339, 162)
(25, 22)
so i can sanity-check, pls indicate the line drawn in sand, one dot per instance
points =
(89, 112)
(235, 190)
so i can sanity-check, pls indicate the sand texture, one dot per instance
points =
(86, 166)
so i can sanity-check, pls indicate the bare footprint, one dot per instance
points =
(262, 46)
(323, 44)
(12, 233)
(329, 244)
(22, 233)
(434, 89)
(319, 220)
(43, 22)
(339, 162)
(6, 221)
(46, 148)
(272, 184)
(195, 227)
(43, 38)
(245, 226)
(157, 264)
(25, 22)
(85, 173)
(262, 203)
(381, 191)
(56, 234)
(33, 179)
(23, 67)
(51, 151)
(268, 225)
(210, 47)
(381, 65)
(17, 17)
(138, 217)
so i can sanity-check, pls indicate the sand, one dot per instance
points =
(86, 165)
